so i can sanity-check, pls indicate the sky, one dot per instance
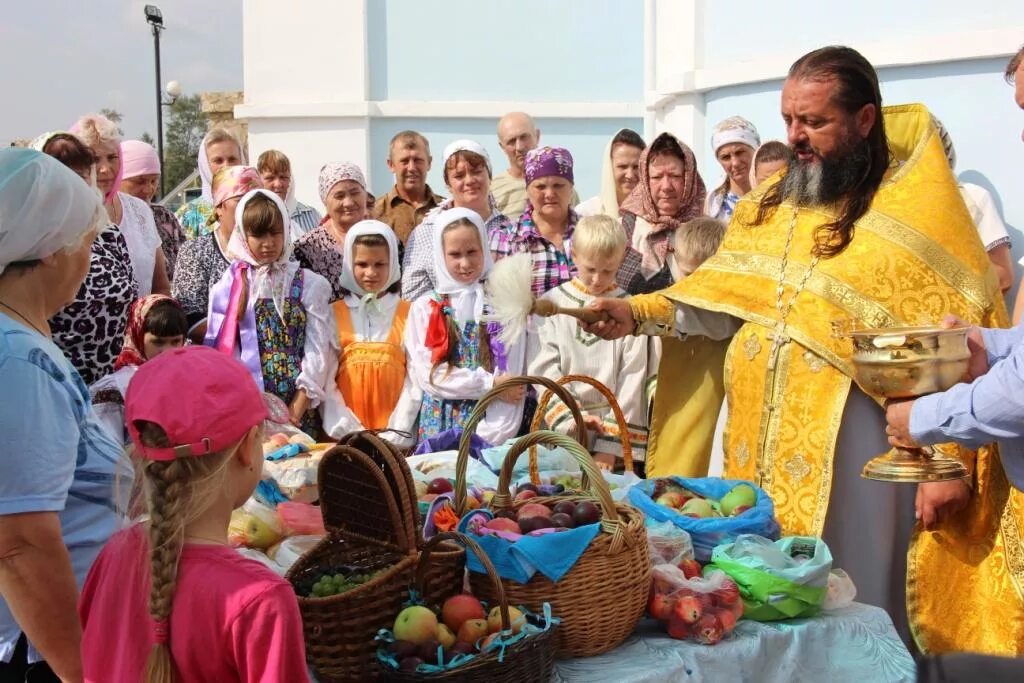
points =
(63, 59)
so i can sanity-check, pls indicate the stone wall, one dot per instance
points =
(220, 108)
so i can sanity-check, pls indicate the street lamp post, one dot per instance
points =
(155, 18)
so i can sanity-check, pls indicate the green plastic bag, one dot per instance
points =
(777, 580)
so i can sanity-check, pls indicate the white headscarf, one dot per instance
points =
(467, 300)
(609, 190)
(466, 146)
(735, 129)
(206, 175)
(44, 206)
(268, 280)
(360, 229)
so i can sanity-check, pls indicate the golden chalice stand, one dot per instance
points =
(903, 363)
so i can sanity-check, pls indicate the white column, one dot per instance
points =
(678, 49)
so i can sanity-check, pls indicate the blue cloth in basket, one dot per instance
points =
(550, 554)
(448, 440)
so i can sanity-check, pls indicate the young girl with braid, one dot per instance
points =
(454, 357)
(168, 599)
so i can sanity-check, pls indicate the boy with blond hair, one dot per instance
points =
(559, 346)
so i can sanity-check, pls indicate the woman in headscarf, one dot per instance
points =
(734, 142)
(273, 314)
(218, 149)
(670, 193)
(202, 261)
(57, 500)
(140, 174)
(131, 215)
(620, 172)
(90, 329)
(467, 173)
(343, 192)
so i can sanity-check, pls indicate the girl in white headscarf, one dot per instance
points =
(620, 173)
(372, 388)
(734, 141)
(454, 356)
(218, 150)
(273, 314)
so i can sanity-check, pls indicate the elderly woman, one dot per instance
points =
(91, 328)
(734, 141)
(670, 193)
(202, 261)
(343, 192)
(620, 172)
(219, 149)
(140, 172)
(467, 173)
(57, 504)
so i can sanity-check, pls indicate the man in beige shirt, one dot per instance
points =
(404, 207)
(517, 135)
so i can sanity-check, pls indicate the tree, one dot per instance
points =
(114, 116)
(186, 126)
(148, 139)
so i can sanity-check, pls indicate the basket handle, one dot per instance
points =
(620, 418)
(405, 495)
(469, 544)
(478, 414)
(610, 521)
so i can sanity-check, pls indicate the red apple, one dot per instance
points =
(737, 609)
(503, 524)
(439, 485)
(534, 510)
(728, 594)
(726, 618)
(660, 606)
(679, 629)
(708, 630)
(691, 568)
(473, 630)
(688, 608)
(459, 609)
(526, 495)
(671, 499)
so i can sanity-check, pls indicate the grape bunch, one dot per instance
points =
(336, 584)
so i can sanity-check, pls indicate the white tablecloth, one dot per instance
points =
(857, 643)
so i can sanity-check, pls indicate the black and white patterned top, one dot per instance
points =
(200, 266)
(318, 251)
(172, 237)
(90, 331)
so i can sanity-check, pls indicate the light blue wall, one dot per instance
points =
(536, 50)
(585, 138)
(972, 100)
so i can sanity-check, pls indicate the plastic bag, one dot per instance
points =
(548, 459)
(287, 552)
(841, 590)
(704, 609)
(778, 580)
(254, 525)
(296, 477)
(709, 532)
(668, 544)
(430, 466)
(301, 519)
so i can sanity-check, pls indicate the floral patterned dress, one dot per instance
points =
(437, 414)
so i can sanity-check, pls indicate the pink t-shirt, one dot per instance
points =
(233, 619)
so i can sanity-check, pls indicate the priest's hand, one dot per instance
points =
(897, 417)
(937, 501)
(620, 322)
(978, 364)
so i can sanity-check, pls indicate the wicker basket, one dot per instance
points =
(620, 418)
(367, 531)
(449, 560)
(602, 597)
(530, 660)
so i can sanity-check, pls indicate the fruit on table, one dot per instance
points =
(697, 507)
(417, 624)
(740, 495)
(515, 618)
(660, 606)
(586, 513)
(708, 630)
(439, 485)
(672, 499)
(473, 630)
(459, 609)
(688, 608)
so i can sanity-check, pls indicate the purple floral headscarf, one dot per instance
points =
(543, 162)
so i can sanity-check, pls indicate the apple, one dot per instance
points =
(445, 636)
(679, 629)
(697, 507)
(473, 630)
(726, 618)
(417, 624)
(515, 617)
(708, 630)
(691, 568)
(487, 497)
(671, 499)
(737, 609)
(739, 510)
(560, 520)
(503, 524)
(488, 640)
(439, 485)
(660, 606)
(566, 507)
(534, 523)
(534, 510)
(586, 513)
(459, 609)
(279, 440)
(463, 648)
(525, 495)
(526, 486)
(741, 494)
(688, 608)
(728, 594)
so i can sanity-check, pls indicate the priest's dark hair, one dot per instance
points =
(856, 86)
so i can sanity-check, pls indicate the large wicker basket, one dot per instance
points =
(447, 560)
(530, 660)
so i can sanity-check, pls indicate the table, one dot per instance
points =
(855, 643)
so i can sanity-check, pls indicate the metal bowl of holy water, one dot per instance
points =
(906, 362)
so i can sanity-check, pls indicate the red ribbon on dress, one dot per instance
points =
(437, 331)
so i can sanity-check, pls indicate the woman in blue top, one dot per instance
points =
(57, 505)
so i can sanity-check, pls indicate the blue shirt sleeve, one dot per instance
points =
(39, 450)
(991, 408)
(1000, 343)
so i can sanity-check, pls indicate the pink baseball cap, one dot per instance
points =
(204, 400)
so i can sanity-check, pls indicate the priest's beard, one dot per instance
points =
(828, 180)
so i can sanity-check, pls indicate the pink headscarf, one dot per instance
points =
(95, 119)
(138, 158)
(234, 181)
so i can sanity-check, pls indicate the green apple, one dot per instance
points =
(417, 624)
(697, 507)
(741, 495)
